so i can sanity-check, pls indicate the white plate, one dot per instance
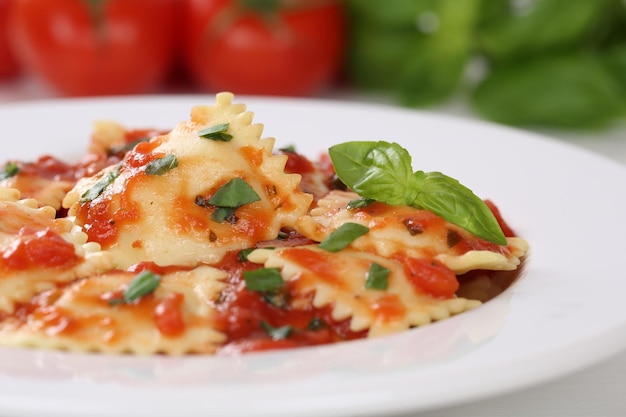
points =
(565, 313)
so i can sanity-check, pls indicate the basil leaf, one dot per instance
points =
(162, 165)
(359, 203)
(288, 149)
(455, 203)
(11, 169)
(263, 279)
(275, 298)
(377, 170)
(276, 333)
(217, 132)
(242, 255)
(101, 185)
(235, 193)
(382, 171)
(221, 214)
(316, 324)
(343, 236)
(377, 277)
(143, 284)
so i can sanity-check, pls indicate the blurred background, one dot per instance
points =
(556, 66)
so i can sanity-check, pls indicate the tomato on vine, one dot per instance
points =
(266, 47)
(95, 47)
(9, 66)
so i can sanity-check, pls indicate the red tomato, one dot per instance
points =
(8, 64)
(230, 46)
(44, 248)
(95, 47)
(431, 277)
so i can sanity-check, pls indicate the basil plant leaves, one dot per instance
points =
(382, 171)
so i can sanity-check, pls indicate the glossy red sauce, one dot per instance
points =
(318, 264)
(298, 164)
(430, 277)
(39, 249)
(241, 313)
(253, 155)
(102, 218)
(388, 308)
(168, 315)
(52, 168)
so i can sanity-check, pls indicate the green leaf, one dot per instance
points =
(376, 170)
(242, 255)
(162, 165)
(99, 187)
(143, 284)
(520, 30)
(343, 236)
(263, 279)
(276, 298)
(415, 49)
(377, 277)
(316, 323)
(457, 204)
(369, 171)
(11, 169)
(217, 133)
(359, 203)
(276, 333)
(574, 90)
(221, 214)
(235, 193)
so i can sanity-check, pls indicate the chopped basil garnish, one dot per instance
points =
(235, 193)
(377, 277)
(101, 185)
(276, 333)
(343, 236)
(232, 195)
(382, 171)
(288, 148)
(11, 169)
(263, 279)
(242, 255)
(217, 132)
(223, 213)
(276, 298)
(143, 284)
(316, 324)
(162, 165)
(359, 203)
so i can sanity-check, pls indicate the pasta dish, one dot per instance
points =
(205, 239)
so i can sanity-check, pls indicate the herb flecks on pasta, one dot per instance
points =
(205, 239)
(148, 210)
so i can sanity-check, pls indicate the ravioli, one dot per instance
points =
(338, 280)
(45, 191)
(231, 236)
(166, 218)
(175, 319)
(39, 251)
(409, 231)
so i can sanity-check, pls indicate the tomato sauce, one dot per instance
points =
(168, 315)
(298, 164)
(39, 249)
(242, 315)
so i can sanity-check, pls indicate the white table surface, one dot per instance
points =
(598, 391)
